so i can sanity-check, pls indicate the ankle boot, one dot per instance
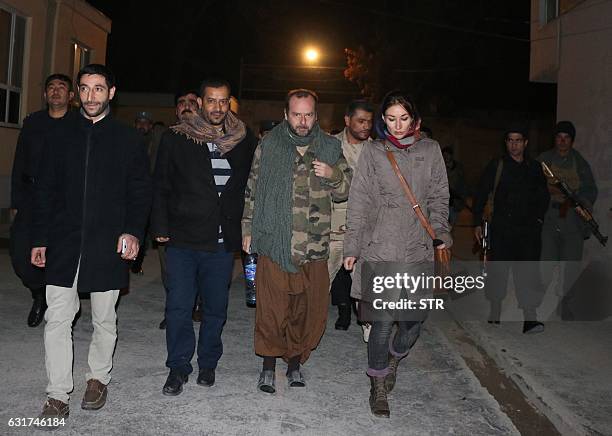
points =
(390, 378)
(378, 398)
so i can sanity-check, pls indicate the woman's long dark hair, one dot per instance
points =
(392, 98)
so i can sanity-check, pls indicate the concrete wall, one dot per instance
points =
(544, 53)
(36, 13)
(52, 26)
(79, 22)
(575, 50)
(585, 95)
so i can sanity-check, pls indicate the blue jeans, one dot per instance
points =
(189, 272)
(380, 344)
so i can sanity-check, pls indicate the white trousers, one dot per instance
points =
(63, 304)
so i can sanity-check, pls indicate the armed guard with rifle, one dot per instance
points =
(568, 220)
(514, 188)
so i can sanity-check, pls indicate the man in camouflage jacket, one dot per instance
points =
(296, 173)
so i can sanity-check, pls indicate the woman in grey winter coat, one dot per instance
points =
(382, 227)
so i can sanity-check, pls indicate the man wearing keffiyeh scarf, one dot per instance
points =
(201, 129)
(215, 123)
(200, 176)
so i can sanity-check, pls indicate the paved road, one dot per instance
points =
(436, 393)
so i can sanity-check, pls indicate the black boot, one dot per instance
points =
(174, 383)
(37, 313)
(531, 327)
(344, 317)
(531, 324)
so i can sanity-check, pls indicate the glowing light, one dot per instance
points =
(311, 54)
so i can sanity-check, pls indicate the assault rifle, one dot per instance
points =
(483, 246)
(577, 204)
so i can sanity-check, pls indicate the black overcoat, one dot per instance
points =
(94, 186)
(28, 154)
(186, 206)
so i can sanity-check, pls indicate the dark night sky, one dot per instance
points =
(164, 48)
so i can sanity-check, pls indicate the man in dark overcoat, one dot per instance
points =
(91, 208)
(28, 153)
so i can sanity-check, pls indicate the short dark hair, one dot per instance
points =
(566, 127)
(300, 93)
(102, 70)
(214, 82)
(61, 77)
(179, 94)
(391, 99)
(519, 128)
(355, 105)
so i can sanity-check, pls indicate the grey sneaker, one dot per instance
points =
(296, 379)
(266, 381)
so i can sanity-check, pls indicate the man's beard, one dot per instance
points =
(101, 110)
(215, 123)
(187, 113)
(359, 135)
(299, 134)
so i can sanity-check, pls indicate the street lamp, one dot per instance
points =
(311, 55)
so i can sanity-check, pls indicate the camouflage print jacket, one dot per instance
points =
(351, 153)
(312, 202)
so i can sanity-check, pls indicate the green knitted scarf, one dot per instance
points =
(273, 214)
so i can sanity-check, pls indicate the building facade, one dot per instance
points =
(571, 45)
(38, 38)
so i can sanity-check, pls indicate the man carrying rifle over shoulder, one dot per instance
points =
(516, 188)
(564, 231)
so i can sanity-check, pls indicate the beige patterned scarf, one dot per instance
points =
(201, 131)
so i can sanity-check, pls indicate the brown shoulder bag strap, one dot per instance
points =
(410, 195)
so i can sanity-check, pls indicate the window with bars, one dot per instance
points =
(12, 41)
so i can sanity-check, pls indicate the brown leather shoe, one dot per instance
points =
(54, 414)
(95, 395)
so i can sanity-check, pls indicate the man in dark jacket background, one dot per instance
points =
(91, 207)
(520, 199)
(28, 153)
(202, 167)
